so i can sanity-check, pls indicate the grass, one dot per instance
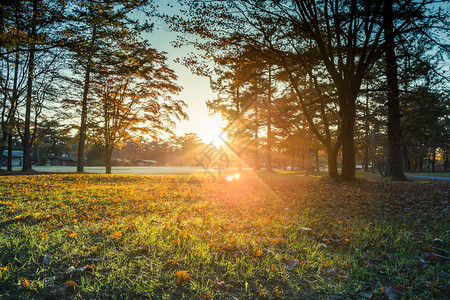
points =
(436, 174)
(262, 236)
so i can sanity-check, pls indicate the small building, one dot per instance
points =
(121, 162)
(145, 162)
(17, 158)
(65, 161)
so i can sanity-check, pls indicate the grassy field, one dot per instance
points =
(437, 174)
(259, 236)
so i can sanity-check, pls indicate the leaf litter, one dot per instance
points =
(351, 234)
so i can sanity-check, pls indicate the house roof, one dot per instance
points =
(15, 153)
(147, 161)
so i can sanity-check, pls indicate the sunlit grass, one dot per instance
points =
(259, 235)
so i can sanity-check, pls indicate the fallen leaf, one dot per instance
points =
(391, 293)
(44, 259)
(330, 271)
(394, 293)
(95, 259)
(218, 283)
(49, 279)
(89, 268)
(439, 251)
(438, 242)
(58, 293)
(290, 264)
(25, 282)
(268, 251)
(343, 277)
(367, 295)
(182, 277)
(432, 257)
(305, 228)
(71, 286)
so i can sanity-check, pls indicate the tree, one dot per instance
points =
(94, 27)
(424, 125)
(30, 35)
(334, 42)
(310, 36)
(31, 64)
(11, 39)
(230, 85)
(131, 96)
(189, 148)
(50, 140)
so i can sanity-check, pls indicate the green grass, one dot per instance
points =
(262, 236)
(437, 174)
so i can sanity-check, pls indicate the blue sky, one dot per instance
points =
(196, 89)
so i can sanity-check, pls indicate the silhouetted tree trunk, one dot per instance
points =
(394, 161)
(108, 159)
(12, 109)
(9, 159)
(269, 122)
(27, 132)
(433, 160)
(83, 127)
(348, 144)
(446, 154)
(406, 161)
(366, 135)
(256, 127)
(238, 112)
(332, 164)
(317, 159)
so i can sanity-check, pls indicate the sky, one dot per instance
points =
(196, 89)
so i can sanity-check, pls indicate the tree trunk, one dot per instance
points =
(395, 162)
(406, 163)
(27, 132)
(366, 135)
(12, 109)
(446, 155)
(239, 162)
(108, 159)
(83, 121)
(446, 164)
(348, 145)
(332, 164)
(238, 111)
(387, 170)
(307, 160)
(269, 123)
(317, 159)
(9, 160)
(256, 134)
(433, 160)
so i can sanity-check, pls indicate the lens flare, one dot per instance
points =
(232, 177)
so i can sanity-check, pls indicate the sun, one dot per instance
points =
(211, 132)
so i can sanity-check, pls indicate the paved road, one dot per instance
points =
(428, 177)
